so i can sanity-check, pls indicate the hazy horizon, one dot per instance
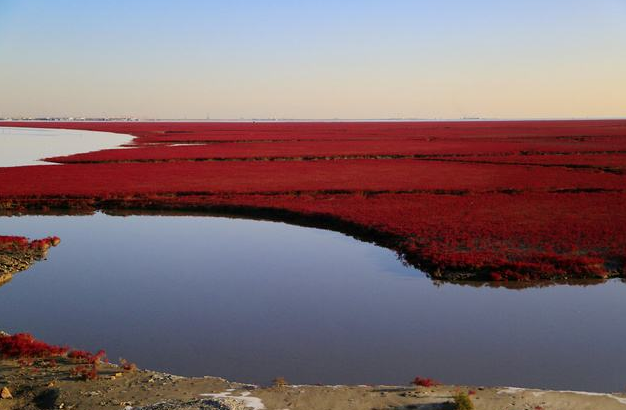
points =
(356, 60)
(69, 118)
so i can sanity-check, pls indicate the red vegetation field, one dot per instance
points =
(482, 200)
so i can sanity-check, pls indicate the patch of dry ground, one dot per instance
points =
(53, 388)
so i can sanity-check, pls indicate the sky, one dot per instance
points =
(313, 59)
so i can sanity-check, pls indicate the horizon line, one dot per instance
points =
(398, 119)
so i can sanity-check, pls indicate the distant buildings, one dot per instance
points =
(69, 119)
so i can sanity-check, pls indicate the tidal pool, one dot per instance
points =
(252, 300)
(27, 146)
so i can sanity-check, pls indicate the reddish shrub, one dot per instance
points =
(79, 355)
(25, 346)
(424, 382)
(19, 242)
(87, 357)
(89, 372)
(127, 366)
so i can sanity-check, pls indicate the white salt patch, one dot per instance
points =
(621, 400)
(254, 403)
(511, 390)
(538, 393)
(185, 145)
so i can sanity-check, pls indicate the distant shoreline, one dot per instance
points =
(307, 120)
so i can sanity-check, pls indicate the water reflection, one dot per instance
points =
(250, 300)
(27, 146)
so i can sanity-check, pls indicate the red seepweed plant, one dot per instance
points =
(424, 382)
(29, 352)
(127, 366)
(88, 370)
(25, 346)
(20, 242)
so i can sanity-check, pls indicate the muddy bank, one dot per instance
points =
(18, 254)
(35, 375)
(54, 388)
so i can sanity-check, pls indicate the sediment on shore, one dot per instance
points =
(18, 254)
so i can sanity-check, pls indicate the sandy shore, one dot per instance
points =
(53, 388)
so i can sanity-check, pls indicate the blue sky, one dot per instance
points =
(313, 59)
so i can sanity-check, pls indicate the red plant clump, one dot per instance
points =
(20, 242)
(127, 366)
(85, 372)
(88, 370)
(25, 346)
(79, 355)
(26, 350)
(425, 382)
(499, 201)
(87, 357)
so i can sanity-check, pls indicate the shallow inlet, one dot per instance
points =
(27, 146)
(251, 300)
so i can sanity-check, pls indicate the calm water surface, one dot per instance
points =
(27, 146)
(251, 300)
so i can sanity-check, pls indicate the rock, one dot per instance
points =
(47, 399)
(6, 393)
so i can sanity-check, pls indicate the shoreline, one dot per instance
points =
(151, 390)
(222, 205)
(35, 375)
